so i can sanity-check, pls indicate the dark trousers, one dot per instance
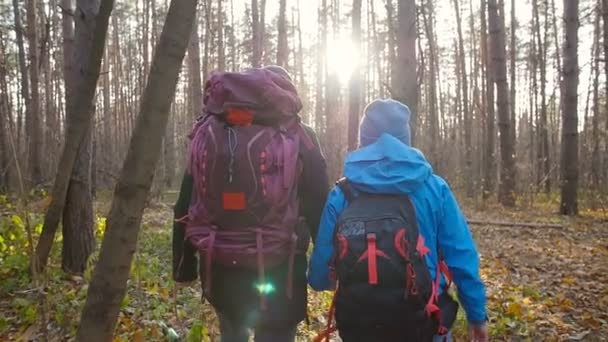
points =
(235, 332)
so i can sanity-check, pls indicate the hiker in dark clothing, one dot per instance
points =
(252, 267)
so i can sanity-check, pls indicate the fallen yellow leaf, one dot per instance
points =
(515, 310)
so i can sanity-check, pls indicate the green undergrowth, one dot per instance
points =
(526, 298)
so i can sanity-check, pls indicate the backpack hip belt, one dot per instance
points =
(212, 242)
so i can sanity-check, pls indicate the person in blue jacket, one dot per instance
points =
(387, 164)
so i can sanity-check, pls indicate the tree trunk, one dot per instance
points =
(513, 69)
(595, 153)
(354, 96)
(300, 66)
(76, 133)
(108, 155)
(282, 48)
(569, 88)
(490, 135)
(256, 58)
(405, 86)
(25, 82)
(468, 151)
(431, 83)
(262, 35)
(169, 152)
(221, 56)
(207, 37)
(5, 118)
(496, 22)
(605, 41)
(33, 122)
(78, 237)
(391, 41)
(321, 73)
(194, 73)
(109, 282)
(543, 144)
(232, 37)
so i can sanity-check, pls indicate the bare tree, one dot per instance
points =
(282, 47)
(33, 122)
(431, 83)
(321, 71)
(76, 133)
(496, 22)
(5, 120)
(543, 146)
(25, 87)
(194, 72)
(256, 36)
(605, 41)
(405, 88)
(569, 88)
(109, 282)
(221, 56)
(468, 153)
(77, 228)
(354, 98)
(488, 153)
(595, 136)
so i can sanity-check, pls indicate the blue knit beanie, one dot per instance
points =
(385, 116)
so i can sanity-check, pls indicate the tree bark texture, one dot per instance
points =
(405, 86)
(489, 174)
(78, 235)
(194, 73)
(109, 282)
(569, 88)
(496, 22)
(282, 47)
(76, 133)
(33, 115)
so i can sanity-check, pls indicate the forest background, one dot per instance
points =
(510, 106)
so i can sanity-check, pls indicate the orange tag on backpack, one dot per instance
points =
(239, 117)
(234, 201)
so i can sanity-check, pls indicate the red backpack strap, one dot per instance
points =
(324, 336)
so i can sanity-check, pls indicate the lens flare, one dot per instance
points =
(265, 288)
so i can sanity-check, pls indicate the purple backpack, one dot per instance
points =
(244, 159)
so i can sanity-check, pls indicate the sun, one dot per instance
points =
(342, 58)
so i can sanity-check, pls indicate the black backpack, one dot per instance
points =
(383, 280)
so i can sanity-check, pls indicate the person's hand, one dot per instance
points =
(479, 333)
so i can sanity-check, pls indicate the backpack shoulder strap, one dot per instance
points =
(346, 188)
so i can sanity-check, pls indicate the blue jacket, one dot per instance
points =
(388, 166)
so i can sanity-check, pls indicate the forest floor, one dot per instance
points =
(542, 283)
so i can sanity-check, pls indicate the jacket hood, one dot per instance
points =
(387, 166)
